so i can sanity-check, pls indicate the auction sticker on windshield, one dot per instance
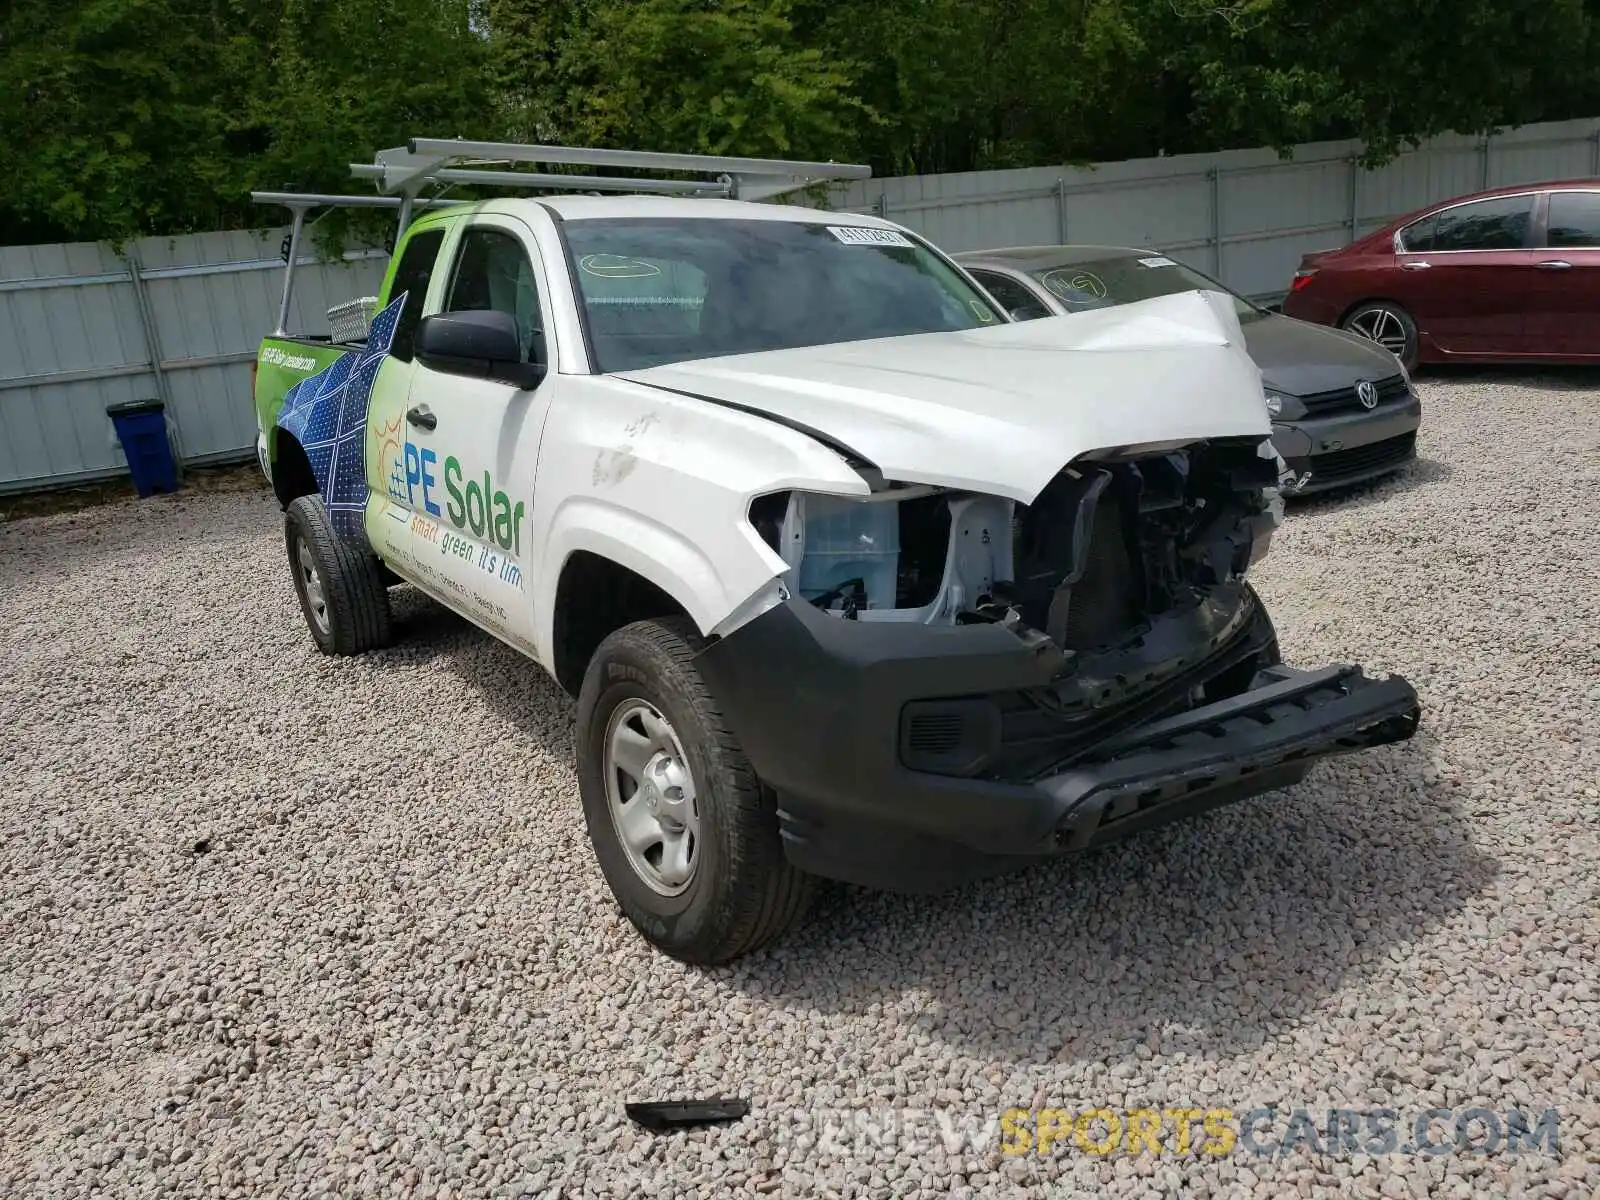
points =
(857, 235)
(1157, 262)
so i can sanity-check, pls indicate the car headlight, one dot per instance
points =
(844, 553)
(1281, 405)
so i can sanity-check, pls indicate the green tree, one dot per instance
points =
(1388, 72)
(694, 76)
(124, 117)
(116, 117)
(350, 77)
(972, 84)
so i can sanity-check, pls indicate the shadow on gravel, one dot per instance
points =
(1205, 937)
(515, 688)
(424, 629)
(1549, 378)
(1421, 472)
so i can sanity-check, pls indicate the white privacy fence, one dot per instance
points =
(179, 319)
(1242, 216)
(174, 319)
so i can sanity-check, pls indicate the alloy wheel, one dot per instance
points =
(1384, 326)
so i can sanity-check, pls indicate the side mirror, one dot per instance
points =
(481, 343)
(1028, 312)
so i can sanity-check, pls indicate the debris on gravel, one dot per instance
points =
(273, 923)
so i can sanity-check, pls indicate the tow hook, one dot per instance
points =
(1292, 484)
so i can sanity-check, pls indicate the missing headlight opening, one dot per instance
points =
(1112, 542)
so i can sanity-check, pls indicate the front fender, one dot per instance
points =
(661, 484)
(644, 546)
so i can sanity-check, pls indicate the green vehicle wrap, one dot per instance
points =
(282, 362)
(312, 396)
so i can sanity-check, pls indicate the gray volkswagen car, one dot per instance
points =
(1343, 409)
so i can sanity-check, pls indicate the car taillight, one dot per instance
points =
(1301, 278)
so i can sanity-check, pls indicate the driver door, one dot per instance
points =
(477, 440)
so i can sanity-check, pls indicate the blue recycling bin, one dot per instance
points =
(142, 429)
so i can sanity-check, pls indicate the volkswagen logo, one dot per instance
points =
(1367, 393)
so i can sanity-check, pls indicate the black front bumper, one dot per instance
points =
(817, 703)
(1349, 447)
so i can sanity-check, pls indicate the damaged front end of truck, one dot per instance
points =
(954, 683)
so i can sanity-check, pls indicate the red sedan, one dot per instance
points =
(1510, 275)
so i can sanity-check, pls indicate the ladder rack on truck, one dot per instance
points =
(402, 173)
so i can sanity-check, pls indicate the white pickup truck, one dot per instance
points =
(851, 576)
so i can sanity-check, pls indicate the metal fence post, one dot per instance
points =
(1355, 198)
(1061, 211)
(880, 206)
(1483, 150)
(152, 341)
(147, 322)
(1594, 153)
(1215, 178)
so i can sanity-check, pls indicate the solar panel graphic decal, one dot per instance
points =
(327, 414)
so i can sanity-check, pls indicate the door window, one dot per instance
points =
(1013, 296)
(493, 274)
(1574, 219)
(1499, 224)
(412, 276)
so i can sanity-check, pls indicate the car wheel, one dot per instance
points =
(341, 590)
(1390, 326)
(684, 832)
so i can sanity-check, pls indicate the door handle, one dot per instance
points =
(1555, 265)
(421, 417)
(1416, 266)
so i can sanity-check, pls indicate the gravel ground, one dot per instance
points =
(272, 923)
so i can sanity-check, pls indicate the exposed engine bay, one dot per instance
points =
(1109, 546)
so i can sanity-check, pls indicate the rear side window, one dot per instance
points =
(412, 275)
(1574, 219)
(1499, 224)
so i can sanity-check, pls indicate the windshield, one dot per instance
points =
(661, 290)
(1104, 282)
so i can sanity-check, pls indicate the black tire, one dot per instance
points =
(1380, 316)
(743, 893)
(354, 614)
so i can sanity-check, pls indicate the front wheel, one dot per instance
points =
(1390, 326)
(685, 834)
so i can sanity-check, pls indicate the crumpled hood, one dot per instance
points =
(1001, 410)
